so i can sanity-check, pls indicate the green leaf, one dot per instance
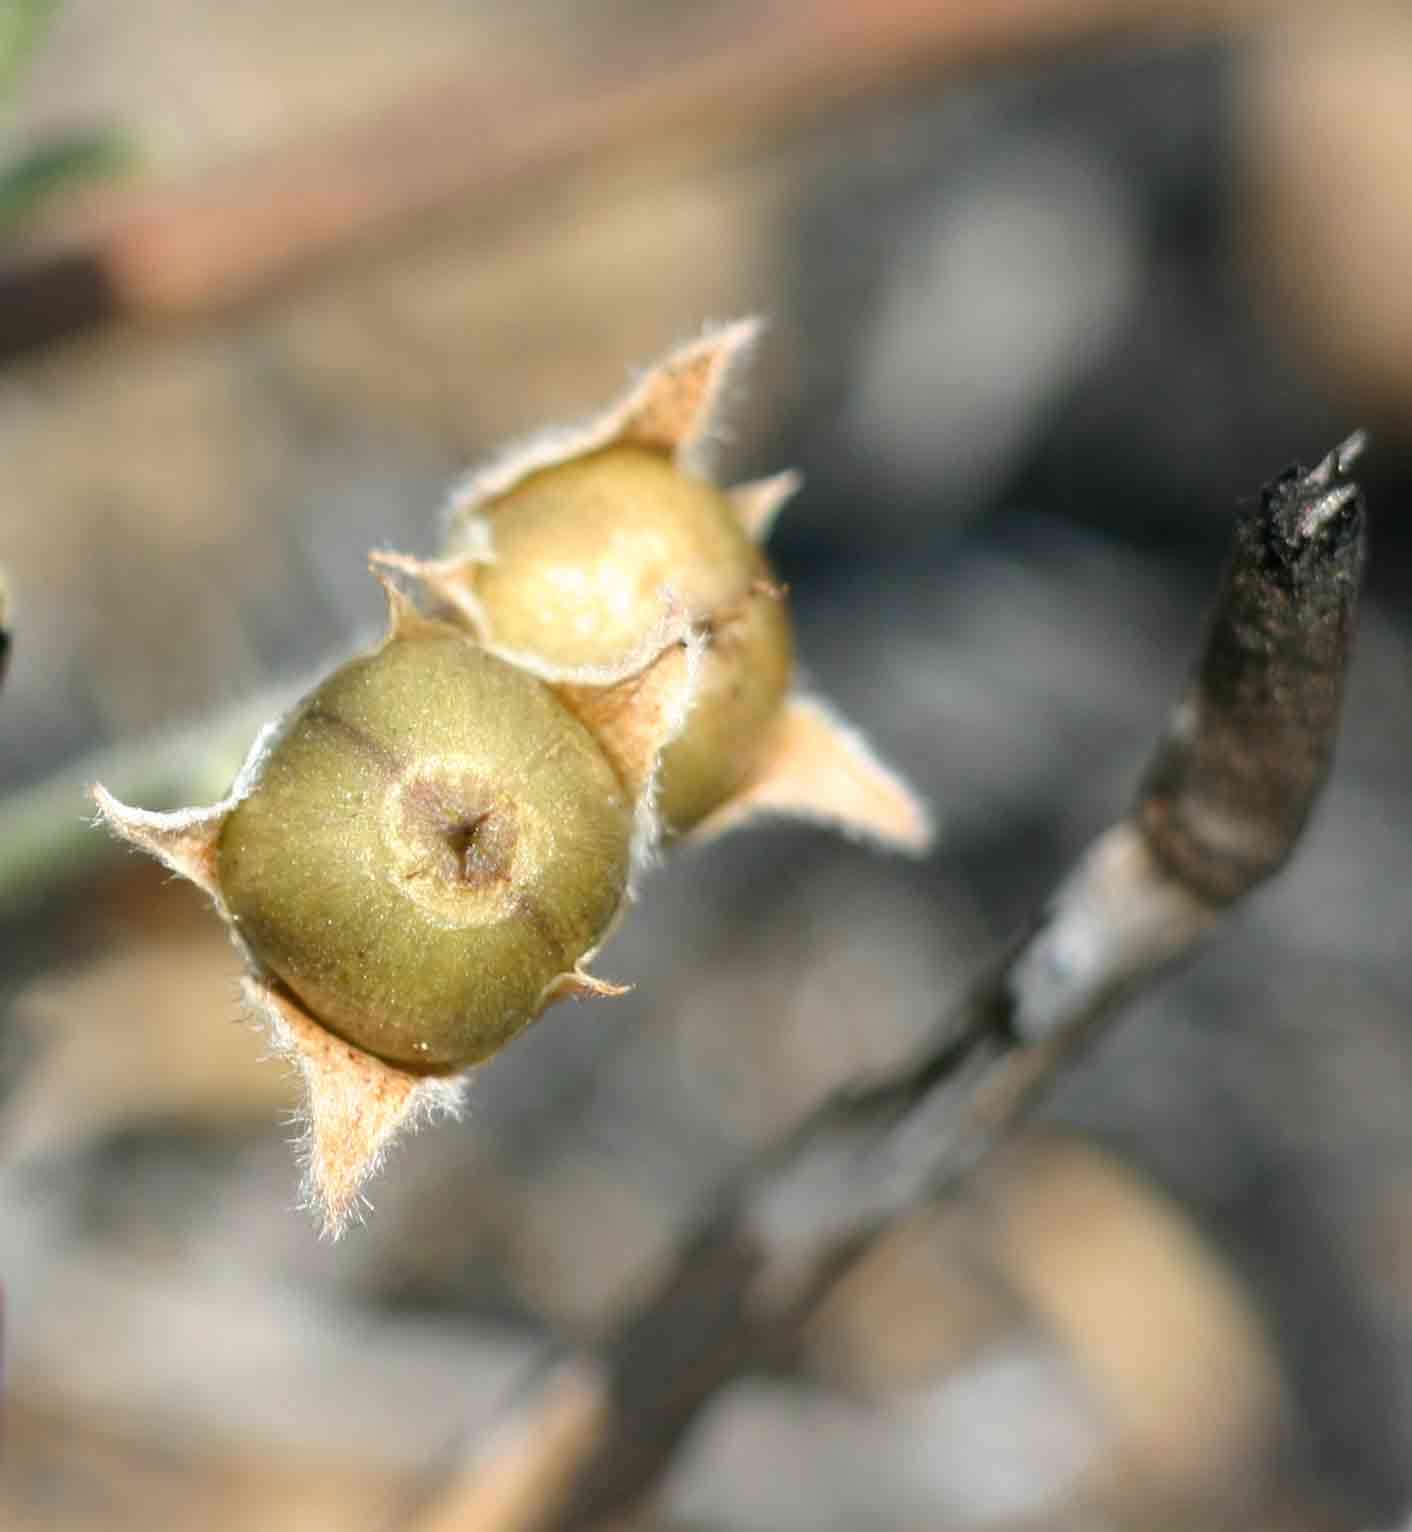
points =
(36, 176)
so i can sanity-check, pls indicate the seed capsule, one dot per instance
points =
(562, 553)
(431, 843)
(583, 552)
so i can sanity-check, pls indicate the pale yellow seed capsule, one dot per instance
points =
(583, 553)
(432, 842)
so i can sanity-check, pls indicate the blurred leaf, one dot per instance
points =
(37, 175)
(22, 24)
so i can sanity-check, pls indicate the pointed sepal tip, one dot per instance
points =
(355, 1106)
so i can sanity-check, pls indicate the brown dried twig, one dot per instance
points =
(1221, 808)
(175, 252)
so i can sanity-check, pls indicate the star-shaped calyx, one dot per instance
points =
(425, 854)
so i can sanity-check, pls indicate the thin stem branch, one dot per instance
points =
(47, 844)
(1221, 808)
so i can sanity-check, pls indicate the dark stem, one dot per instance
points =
(4, 630)
(1220, 808)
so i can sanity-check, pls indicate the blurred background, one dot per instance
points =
(1051, 285)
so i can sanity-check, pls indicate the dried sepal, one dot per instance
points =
(635, 710)
(405, 620)
(816, 767)
(671, 409)
(759, 502)
(450, 581)
(636, 714)
(580, 984)
(186, 840)
(635, 721)
(355, 1105)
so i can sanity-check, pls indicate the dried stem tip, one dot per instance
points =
(1251, 743)
(4, 628)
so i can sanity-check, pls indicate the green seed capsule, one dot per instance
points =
(583, 553)
(431, 842)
